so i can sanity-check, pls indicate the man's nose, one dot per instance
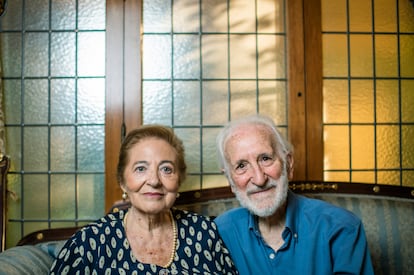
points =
(258, 176)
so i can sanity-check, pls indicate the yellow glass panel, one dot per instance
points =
(273, 100)
(335, 55)
(271, 16)
(386, 57)
(335, 101)
(191, 140)
(406, 15)
(334, 15)
(361, 55)
(336, 176)
(243, 98)
(407, 146)
(35, 200)
(271, 60)
(185, 11)
(360, 19)
(408, 178)
(242, 16)
(212, 181)
(388, 146)
(385, 16)
(387, 101)
(214, 16)
(242, 56)
(190, 183)
(407, 55)
(210, 164)
(362, 147)
(363, 176)
(336, 147)
(214, 55)
(407, 100)
(362, 101)
(215, 102)
(388, 177)
(29, 227)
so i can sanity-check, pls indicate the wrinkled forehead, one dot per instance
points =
(251, 131)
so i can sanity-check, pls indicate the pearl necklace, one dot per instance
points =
(175, 236)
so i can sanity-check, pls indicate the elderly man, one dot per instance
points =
(276, 231)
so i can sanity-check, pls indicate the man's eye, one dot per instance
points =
(266, 160)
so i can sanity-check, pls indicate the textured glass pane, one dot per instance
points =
(242, 56)
(186, 16)
(64, 14)
(35, 197)
(336, 176)
(335, 55)
(62, 197)
(242, 16)
(36, 51)
(243, 98)
(271, 59)
(11, 54)
(12, 239)
(273, 100)
(362, 101)
(91, 100)
(387, 101)
(191, 140)
(210, 164)
(386, 60)
(90, 148)
(407, 146)
(29, 227)
(12, 98)
(215, 102)
(91, 196)
(407, 55)
(363, 176)
(157, 102)
(62, 101)
(335, 101)
(212, 181)
(362, 147)
(35, 101)
(360, 16)
(156, 56)
(214, 16)
(36, 14)
(388, 177)
(361, 55)
(336, 147)
(91, 54)
(406, 15)
(191, 183)
(186, 56)
(62, 149)
(408, 178)
(35, 147)
(157, 15)
(270, 15)
(187, 103)
(215, 56)
(63, 54)
(385, 15)
(91, 14)
(12, 18)
(14, 147)
(334, 15)
(388, 146)
(407, 101)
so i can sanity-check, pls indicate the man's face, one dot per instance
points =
(256, 174)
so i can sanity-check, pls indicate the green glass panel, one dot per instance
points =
(12, 239)
(214, 56)
(361, 55)
(63, 197)
(157, 102)
(186, 16)
(11, 49)
(14, 194)
(243, 98)
(63, 54)
(386, 56)
(62, 101)
(335, 101)
(362, 147)
(35, 101)
(90, 148)
(388, 146)
(91, 197)
(14, 146)
(407, 55)
(157, 15)
(91, 53)
(406, 15)
(35, 149)
(388, 177)
(271, 62)
(156, 51)
(210, 163)
(213, 181)
(335, 55)
(408, 178)
(334, 15)
(336, 176)
(385, 16)
(91, 100)
(91, 14)
(407, 149)
(387, 101)
(35, 197)
(36, 54)
(336, 147)
(186, 56)
(273, 100)
(64, 15)
(407, 100)
(12, 19)
(243, 47)
(362, 101)
(363, 176)
(215, 102)
(192, 144)
(29, 227)
(245, 10)
(271, 16)
(360, 16)
(187, 103)
(62, 149)
(36, 14)
(12, 98)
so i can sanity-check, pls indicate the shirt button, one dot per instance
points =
(272, 256)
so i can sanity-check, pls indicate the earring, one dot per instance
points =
(178, 195)
(124, 196)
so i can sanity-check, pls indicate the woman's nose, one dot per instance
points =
(154, 178)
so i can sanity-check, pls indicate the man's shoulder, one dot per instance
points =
(235, 215)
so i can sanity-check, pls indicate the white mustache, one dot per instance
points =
(270, 184)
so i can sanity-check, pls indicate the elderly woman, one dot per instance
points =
(151, 237)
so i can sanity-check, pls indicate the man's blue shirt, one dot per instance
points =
(319, 238)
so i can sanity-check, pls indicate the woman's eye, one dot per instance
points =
(140, 168)
(167, 170)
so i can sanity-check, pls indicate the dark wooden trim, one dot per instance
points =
(47, 235)
(4, 169)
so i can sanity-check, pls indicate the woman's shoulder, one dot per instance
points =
(191, 218)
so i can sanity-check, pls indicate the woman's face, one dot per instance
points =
(151, 177)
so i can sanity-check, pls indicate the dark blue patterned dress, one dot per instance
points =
(102, 248)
